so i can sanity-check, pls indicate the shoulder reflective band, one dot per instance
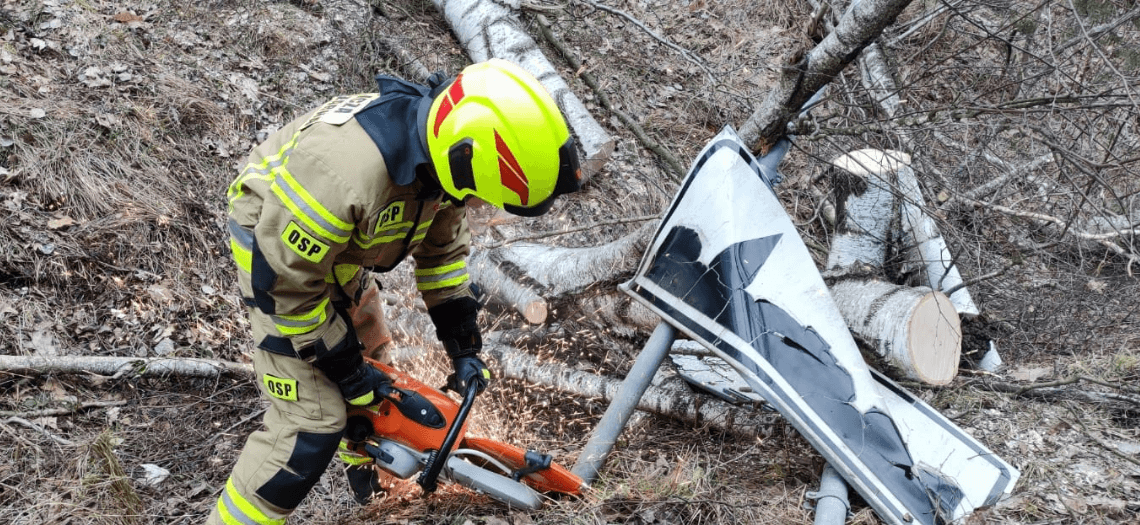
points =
(307, 209)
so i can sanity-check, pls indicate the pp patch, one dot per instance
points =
(304, 244)
(280, 387)
(390, 216)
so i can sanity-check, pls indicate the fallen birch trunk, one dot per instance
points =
(112, 365)
(915, 331)
(927, 249)
(521, 275)
(489, 29)
(866, 202)
(670, 399)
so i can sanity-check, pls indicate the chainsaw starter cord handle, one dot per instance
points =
(438, 458)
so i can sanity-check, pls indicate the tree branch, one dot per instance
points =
(804, 74)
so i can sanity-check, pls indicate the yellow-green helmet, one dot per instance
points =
(496, 134)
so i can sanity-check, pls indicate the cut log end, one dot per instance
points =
(916, 331)
(535, 312)
(866, 162)
(934, 339)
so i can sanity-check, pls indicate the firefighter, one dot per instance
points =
(354, 187)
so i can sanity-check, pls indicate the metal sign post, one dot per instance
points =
(613, 421)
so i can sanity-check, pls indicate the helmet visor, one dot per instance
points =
(569, 181)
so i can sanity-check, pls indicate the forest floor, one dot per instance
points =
(121, 123)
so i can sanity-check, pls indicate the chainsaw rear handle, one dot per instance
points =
(437, 458)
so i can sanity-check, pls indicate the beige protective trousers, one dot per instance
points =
(302, 427)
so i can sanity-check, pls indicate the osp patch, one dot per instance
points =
(280, 387)
(303, 243)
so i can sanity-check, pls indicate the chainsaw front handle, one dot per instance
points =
(437, 458)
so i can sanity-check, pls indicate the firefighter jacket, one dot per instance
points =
(346, 185)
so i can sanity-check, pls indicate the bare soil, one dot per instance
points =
(122, 123)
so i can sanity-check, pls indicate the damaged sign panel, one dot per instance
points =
(728, 268)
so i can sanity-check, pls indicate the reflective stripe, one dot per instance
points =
(242, 256)
(452, 274)
(342, 273)
(425, 286)
(395, 232)
(421, 231)
(231, 518)
(241, 244)
(350, 456)
(394, 227)
(440, 270)
(364, 400)
(302, 323)
(307, 209)
(367, 243)
(354, 459)
(234, 509)
(345, 272)
(243, 235)
(264, 169)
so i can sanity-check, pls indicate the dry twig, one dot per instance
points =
(685, 53)
(1054, 389)
(61, 411)
(41, 430)
(676, 172)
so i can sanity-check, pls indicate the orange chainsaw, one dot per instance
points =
(410, 430)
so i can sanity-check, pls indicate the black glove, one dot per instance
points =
(456, 327)
(365, 386)
(468, 370)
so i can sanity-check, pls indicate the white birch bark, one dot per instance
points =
(926, 248)
(916, 331)
(521, 275)
(111, 365)
(865, 227)
(490, 29)
(503, 290)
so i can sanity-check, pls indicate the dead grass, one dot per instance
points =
(113, 244)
